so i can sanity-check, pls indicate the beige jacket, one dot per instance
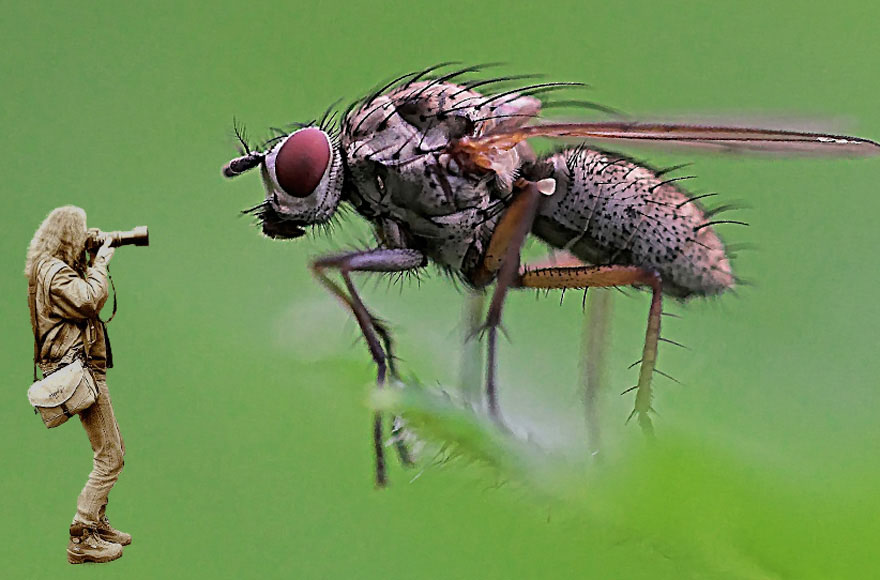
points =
(66, 312)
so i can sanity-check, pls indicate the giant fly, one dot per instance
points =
(441, 167)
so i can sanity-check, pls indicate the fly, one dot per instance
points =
(445, 175)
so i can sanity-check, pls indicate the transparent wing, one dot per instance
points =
(737, 139)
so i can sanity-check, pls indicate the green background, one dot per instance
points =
(240, 387)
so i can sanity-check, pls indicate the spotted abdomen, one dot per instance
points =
(609, 210)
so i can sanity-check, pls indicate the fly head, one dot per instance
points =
(302, 174)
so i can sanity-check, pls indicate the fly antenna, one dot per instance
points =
(241, 164)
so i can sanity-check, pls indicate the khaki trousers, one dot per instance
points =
(109, 449)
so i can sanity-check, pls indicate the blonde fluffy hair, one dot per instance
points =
(62, 235)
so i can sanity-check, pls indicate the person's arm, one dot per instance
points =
(77, 298)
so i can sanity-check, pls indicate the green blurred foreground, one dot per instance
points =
(695, 503)
(239, 385)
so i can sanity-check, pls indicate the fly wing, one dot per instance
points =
(482, 149)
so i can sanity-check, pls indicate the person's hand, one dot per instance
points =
(93, 234)
(106, 251)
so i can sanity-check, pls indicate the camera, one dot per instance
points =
(138, 236)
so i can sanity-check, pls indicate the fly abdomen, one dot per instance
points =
(609, 210)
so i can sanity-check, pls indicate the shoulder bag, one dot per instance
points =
(71, 389)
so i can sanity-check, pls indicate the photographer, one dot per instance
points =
(67, 296)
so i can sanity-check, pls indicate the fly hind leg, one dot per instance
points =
(596, 336)
(605, 276)
(375, 333)
(502, 257)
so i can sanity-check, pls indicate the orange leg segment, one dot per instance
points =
(604, 276)
(509, 235)
(502, 257)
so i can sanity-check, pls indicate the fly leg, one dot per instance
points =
(471, 372)
(596, 335)
(597, 331)
(375, 333)
(605, 276)
(398, 425)
(502, 257)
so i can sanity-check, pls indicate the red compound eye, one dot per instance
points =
(301, 162)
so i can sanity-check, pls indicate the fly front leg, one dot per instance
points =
(375, 333)
(605, 276)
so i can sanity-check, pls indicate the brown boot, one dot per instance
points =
(111, 534)
(87, 546)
